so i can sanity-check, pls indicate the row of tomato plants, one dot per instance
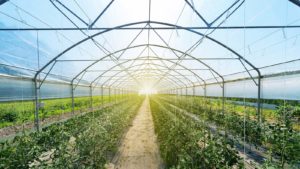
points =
(185, 143)
(18, 112)
(279, 138)
(86, 141)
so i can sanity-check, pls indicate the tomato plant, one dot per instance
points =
(185, 143)
(84, 141)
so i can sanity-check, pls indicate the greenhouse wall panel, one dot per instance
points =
(282, 87)
(16, 89)
(241, 89)
(55, 90)
(214, 90)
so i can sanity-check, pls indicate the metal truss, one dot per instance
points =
(167, 75)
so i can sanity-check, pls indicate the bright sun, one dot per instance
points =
(147, 91)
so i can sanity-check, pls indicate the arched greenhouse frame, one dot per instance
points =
(150, 84)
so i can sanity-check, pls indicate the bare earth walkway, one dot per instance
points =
(139, 149)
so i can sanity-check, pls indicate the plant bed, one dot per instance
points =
(80, 142)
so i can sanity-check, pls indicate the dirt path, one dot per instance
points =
(139, 149)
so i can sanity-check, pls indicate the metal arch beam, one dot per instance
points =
(215, 41)
(154, 45)
(139, 65)
(142, 65)
(133, 67)
(168, 81)
(142, 45)
(168, 78)
(142, 22)
(164, 84)
(177, 63)
(175, 27)
(180, 65)
(80, 42)
(157, 74)
(152, 72)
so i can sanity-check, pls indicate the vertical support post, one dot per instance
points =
(223, 97)
(91, 97)
(186, 91)
(259, 100)
(178, 95)
(205, 96)
(72, 95)
(109, 95)
(205, 91)
(102, 96)
(115, 93)
(193, 91)
(193, 101)
(121, 93)
(37, 106)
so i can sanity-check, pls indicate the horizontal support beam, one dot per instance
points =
(106, 60)
(145, 75)
(141, 69)
(157, 28)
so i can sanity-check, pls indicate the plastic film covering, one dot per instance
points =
(136, 44)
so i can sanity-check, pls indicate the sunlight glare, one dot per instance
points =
(147, 91)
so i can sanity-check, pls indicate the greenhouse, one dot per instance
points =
(150, 84)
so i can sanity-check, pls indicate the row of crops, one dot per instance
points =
(195, 133)
(84, 141)
(19, 112)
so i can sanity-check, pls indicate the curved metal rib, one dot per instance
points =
(142, 22)
(133, 67)
(157, 74)
(154, 45)
(180, 65)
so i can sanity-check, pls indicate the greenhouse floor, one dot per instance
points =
(139, 147)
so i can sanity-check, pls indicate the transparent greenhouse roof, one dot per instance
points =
(158, 43)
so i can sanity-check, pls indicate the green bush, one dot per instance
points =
(8, 115)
